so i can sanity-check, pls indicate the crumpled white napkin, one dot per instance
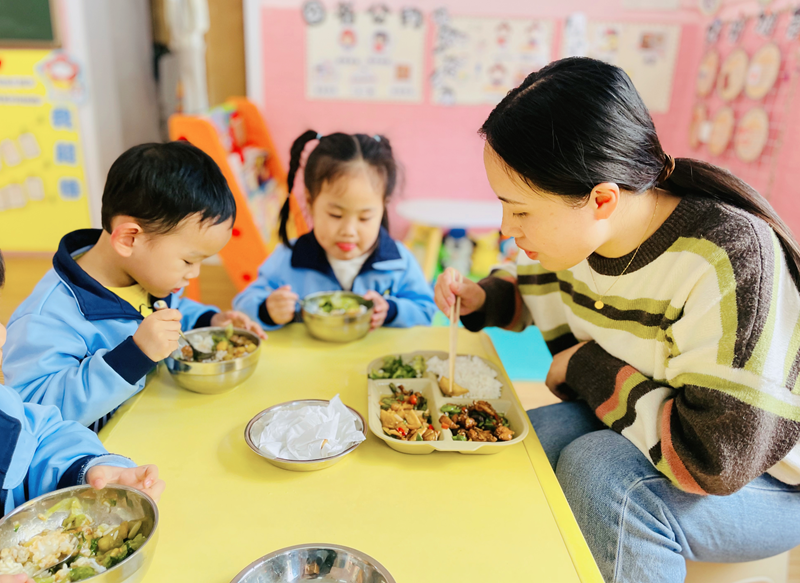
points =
(312, 432)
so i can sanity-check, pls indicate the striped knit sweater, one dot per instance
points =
(694, 358)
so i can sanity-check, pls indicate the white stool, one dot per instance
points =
(772, 570)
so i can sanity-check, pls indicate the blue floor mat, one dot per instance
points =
(524, 354)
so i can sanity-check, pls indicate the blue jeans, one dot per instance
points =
(639, 527)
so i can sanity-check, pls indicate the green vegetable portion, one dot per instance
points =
(338, 303)
(395, 368)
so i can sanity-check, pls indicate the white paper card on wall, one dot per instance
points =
(478, 60)
(365, 56)
(575, 41)
(651, 4)
(646, 52)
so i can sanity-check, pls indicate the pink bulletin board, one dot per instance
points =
(438, 146)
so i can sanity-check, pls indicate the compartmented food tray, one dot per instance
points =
(428, 386)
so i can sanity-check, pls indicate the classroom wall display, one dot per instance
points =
(42, 184)
(751, 134)
(763, 71)
(371, 55)
(732, 75)
(647, 53)
(721, 131)
(707, 73)
(479, 60)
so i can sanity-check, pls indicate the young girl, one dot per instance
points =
(348, 180)
(667, 291)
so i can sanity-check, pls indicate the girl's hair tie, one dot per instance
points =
(376, 137)
(319, 136)
(666, 172)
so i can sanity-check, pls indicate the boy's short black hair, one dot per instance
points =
(162, 184)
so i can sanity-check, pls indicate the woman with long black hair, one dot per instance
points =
(667, 291)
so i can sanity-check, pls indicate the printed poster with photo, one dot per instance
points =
(372, 55)
(647, 53)
(478, 60)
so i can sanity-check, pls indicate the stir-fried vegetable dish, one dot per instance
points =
(395, 368)
(89, 549)
(405, 416)
(224, 345)
(476, 422)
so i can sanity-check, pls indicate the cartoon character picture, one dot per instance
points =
(497, 75)
(348, 39)
(380, 41)
(62, 77)
(503, 33)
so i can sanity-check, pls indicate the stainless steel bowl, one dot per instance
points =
(211, 378)
(324, 563)
(260, 421)
(111, 505)
(336, 327)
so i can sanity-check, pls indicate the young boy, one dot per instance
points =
(87, 336)
(40, 452)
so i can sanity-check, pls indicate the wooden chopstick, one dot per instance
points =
(455, 310)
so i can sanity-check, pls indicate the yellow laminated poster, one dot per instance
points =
(42, 184)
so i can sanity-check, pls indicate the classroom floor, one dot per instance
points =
(24, 271)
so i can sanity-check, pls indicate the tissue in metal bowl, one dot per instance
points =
(336, 327)
(128, 504)
(211, 378)
(324, 563)
(257, 424)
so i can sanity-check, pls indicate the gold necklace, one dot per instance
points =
(599, 303)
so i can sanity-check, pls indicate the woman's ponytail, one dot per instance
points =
(294, 164)
(708, 181)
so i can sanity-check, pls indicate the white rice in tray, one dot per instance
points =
(471, 373)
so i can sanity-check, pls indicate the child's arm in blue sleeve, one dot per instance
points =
(64, 452)
(271, 275)
(194, 314)
(48, 363)
(411, 304)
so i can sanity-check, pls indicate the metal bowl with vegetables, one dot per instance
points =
(337, 316)
(79, 533)
(235, 354)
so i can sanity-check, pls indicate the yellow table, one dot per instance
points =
(428, 519)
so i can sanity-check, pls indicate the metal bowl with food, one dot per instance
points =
(324, 563)
(229, 366)
(82, 534)
(337, 316)
(258, 423)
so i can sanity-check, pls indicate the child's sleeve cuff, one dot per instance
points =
(204, 321)
(391, 315)
(128, 361)
(76, 473)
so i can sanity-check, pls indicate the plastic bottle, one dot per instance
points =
(457, 251)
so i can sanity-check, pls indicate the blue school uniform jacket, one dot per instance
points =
(40, 452)
(391, 270)
(70, 343)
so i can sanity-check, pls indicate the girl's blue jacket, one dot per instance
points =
(391, 270)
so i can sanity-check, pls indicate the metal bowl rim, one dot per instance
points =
(364, 556)
(82, 487)
(258, 416)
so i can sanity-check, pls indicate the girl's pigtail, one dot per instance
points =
(294, 164)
